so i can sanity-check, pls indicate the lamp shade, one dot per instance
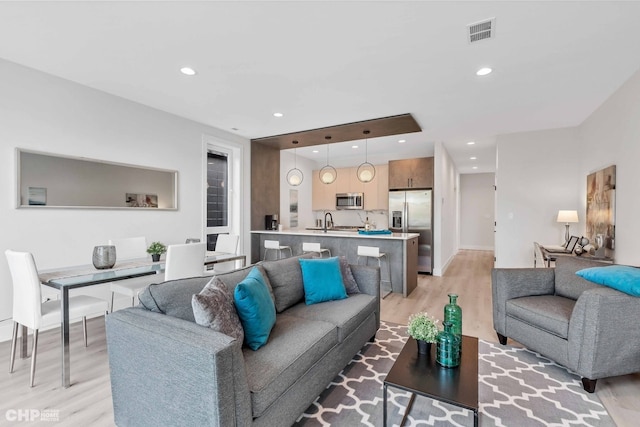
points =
(567, 216)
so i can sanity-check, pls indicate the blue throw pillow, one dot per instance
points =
(255, 309)
(621, 277)
(322, 280)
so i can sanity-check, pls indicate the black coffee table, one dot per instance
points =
(420, 374)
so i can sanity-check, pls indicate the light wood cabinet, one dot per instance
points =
(323, 196)
(376, 192)
(411, 173)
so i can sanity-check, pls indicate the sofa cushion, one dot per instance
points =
(567, 284)
(620, 277)
(294, 346)
(213, 307)
(285, 276)
(349, 281)
(173, 297)
(322, 280)
(255, 309)
(548, 312)
(232, 278)
(346, 314)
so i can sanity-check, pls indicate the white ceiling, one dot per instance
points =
(329, 63)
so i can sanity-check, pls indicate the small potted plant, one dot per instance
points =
(424, 329)
(156, 249)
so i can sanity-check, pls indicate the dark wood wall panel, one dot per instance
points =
(265, 183)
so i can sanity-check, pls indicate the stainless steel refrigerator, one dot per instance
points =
(411, 212)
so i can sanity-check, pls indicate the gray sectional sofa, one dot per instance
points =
(589, 328)
(167, 370)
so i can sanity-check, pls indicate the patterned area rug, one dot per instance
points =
(517, 388)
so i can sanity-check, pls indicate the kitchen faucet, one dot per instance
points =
(325, 220)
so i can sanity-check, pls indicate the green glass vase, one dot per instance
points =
(448, 347)
(453, 314)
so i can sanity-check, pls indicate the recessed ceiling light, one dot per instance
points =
(235, 129)
(471, 143)
(475, 167)
(354, 146)
(483, 71)
(473, 158)
(402, 141)
(187, 71)
(278, 114)
(315, 151)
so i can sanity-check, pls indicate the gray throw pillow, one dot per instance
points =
(213, 307)
(173, 298)
(285, 277)
(347, 277)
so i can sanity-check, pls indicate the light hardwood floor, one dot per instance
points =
(88, 401)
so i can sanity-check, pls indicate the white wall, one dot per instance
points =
(477, 211)
(538, 174)
(446, 202)
(44, 113)
(305, 215)
(611, 136)
(542, 172)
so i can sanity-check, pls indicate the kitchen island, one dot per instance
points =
(401, 250)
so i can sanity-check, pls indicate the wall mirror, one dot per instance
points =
(54, 181)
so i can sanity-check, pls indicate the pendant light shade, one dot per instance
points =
(295, 175)
(328, 174)
(366, 171)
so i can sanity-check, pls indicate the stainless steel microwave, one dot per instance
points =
(349, 201)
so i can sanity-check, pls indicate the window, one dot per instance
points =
(217, 193)
(222, 178)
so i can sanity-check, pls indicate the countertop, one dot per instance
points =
(338, 233)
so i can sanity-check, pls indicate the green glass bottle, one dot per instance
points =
(448, 347)
(453, 314)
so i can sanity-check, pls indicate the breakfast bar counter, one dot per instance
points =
(401, 250)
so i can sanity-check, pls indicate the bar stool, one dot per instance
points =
(275, 245)
(374, 252)
(314, 247)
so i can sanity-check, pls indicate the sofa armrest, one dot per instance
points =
(604, 338)
(509, 283)
(368, 280)
(169, 370)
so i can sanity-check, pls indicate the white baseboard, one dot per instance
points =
(477, 248)
(441, 271)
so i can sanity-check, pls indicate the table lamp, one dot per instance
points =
(567, 217)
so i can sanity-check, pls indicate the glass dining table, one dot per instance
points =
(68, 278)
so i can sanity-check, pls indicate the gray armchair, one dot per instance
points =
(588, 328)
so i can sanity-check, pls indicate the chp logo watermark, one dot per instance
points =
(15, 415)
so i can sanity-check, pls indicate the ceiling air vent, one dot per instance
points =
(482, 30)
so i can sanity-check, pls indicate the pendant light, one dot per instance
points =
(366, 171)
(328, 174)
(295, 175)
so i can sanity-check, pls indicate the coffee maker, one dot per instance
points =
(271, 222)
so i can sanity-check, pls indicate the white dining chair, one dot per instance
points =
(185, 260)
(127, 249)
(227, 243)
(31, 312)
